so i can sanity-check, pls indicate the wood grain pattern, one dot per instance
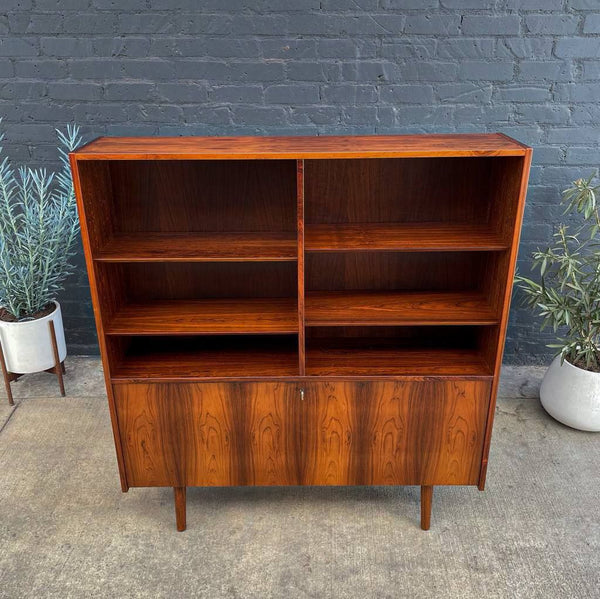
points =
(428, 433)
(395, 433)
(181, 317)
(396, 271)
(435, 237)
(270, 433)
(208, 434)
(427, 190)
(179, 196)
(198, 247)
(145, 281)
(396, 308)
(188, 148)
(341, 433)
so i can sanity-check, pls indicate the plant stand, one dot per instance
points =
(58, 369)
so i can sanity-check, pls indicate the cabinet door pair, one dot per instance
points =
(295, 433)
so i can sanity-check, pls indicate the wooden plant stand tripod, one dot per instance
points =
(58, 369)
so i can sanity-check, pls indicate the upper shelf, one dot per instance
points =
(300, 147)
(401, 237)
(199, 247)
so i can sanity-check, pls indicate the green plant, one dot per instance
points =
(567, 295)
(38, 231)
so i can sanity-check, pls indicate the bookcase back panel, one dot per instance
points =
(389, 270)
(204, 195)
(404, 336)
(399, 190)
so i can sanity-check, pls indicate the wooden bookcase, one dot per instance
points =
(301, 310)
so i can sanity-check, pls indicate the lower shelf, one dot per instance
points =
(341, 358)
(205, 358)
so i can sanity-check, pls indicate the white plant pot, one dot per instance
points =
(572, 395)
(27, 345)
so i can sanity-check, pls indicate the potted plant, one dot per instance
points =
(567, 297)
(38, 232)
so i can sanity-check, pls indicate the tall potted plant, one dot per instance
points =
(567, 297)
(38, 232)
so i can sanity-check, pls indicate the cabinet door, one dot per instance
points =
(208, 434)
(394, 433)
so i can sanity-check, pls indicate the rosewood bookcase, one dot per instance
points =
(301, 310)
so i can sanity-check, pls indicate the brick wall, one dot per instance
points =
(528, 68)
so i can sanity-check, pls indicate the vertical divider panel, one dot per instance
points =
(300, 218)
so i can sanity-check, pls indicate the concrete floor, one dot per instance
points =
(66, 530)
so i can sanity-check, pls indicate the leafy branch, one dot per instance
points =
(567, 295)
(38, 231)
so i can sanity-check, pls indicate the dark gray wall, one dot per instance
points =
(528, 68)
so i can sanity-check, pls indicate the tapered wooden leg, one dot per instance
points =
(62, 365)
(426, 498)
(57, 365)
(180, 507)
(7, 378)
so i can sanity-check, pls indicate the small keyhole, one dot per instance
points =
(302, 394)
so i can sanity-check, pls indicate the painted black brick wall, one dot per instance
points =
(528, 68)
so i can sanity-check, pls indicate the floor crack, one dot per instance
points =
(9, 417)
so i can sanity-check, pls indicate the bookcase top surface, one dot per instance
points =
(301, 147)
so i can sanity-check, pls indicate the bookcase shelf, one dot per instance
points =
(336, 359)
(397, 307)
(206, 316)
(205, 358)
(407, 350)
(200, 247)
(402, 237)
(301, 311)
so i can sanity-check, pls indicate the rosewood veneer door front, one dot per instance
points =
(208, 434)
(394, 433)
(338, 433)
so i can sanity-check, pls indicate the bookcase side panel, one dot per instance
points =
(89, 179)
(508, 206)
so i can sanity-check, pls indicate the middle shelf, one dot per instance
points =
(209, 316)
(397, 308)
(402, 237)
(280, 315)
(199, 247)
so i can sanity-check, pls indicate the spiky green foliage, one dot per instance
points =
(38, 230)
(567, 295)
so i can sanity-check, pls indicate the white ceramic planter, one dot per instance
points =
(27, 345)
(572, 395)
